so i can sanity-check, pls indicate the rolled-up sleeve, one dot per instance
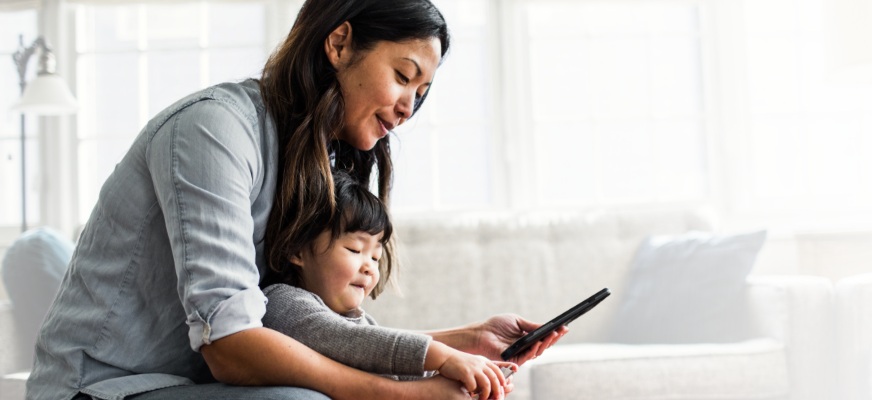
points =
(205, 162)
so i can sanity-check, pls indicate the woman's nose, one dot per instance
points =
(405, 106)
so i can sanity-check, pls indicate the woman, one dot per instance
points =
(161, 299)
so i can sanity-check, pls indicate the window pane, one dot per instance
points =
(779, 157)
(10, 180)
(442, 155)
(464, 71)
(13, 24)
(109, 92)
(835, 159)
(559, 79)
(108, 28)
(772, 75)
(173, 25)
(676, 76)
(97, 159)
(231, 65)
(464, 161)
(627, 80)
(171, 76)
(620, 83)
(567, 173)
(411, 153)
(626, 161)
(679, 159)
(809, 136)
(234, 24)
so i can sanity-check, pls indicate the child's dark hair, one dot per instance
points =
(357, 210)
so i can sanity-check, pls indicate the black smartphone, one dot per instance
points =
(563, 319)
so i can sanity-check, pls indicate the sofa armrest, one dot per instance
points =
(12, 386)
(797, 310)
(854, 325)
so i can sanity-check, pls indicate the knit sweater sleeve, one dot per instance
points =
(356, 342)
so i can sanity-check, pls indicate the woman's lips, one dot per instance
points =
(386, 127)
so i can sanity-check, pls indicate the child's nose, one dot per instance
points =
(368, 266)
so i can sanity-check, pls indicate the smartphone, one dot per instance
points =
(563, 319)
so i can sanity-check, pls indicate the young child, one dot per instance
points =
(324, 283)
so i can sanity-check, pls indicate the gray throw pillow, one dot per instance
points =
(688, 288)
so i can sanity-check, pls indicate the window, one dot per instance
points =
(561, 103)
(615, 111)
(13, 24)
(443, 157)
(540, 103)
(809, 148)
(133, 60)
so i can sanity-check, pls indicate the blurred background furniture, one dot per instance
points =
(854, 327)
(460, 269)
(32, 270)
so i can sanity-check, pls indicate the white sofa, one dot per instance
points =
(15, 357)
(458, 269)
(463, 268)
(854, 327)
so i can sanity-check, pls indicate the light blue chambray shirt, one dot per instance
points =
(171, 256)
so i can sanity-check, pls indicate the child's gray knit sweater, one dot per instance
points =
(354, 340)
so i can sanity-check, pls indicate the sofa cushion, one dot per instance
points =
(753, 369)
(688, 288)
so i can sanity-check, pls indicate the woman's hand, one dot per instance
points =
(499, 332)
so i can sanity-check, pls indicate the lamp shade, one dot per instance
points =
(848, 38)
(48, 94)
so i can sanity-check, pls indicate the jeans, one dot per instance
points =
(220, 391)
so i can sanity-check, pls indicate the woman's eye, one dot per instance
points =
(402, 78)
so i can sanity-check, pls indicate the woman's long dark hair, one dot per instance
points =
(302, 95)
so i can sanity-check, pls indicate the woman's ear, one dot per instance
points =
(338, 45)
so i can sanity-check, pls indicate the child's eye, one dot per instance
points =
(375, 259)
(352, 250)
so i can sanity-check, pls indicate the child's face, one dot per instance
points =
(344, 273)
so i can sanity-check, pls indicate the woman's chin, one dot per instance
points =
(366, 143)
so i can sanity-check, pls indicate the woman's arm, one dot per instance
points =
(263, 357)
(489, 338)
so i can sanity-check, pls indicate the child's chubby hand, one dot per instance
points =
(481, 377)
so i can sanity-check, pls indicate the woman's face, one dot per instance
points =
(380, 86)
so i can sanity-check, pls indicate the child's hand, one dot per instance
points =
(480, 376)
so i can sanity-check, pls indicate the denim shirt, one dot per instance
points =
(171, 256)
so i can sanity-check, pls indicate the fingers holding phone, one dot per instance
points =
(545, 336)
